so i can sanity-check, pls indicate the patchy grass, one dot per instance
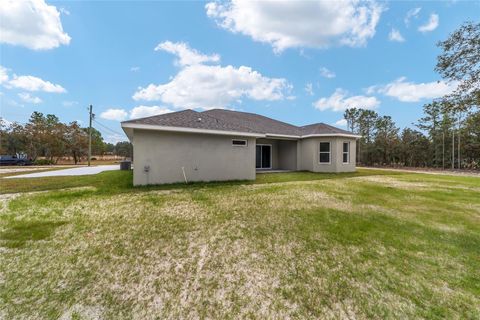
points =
(121, 181)
(371, 244)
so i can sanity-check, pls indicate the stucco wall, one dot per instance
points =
(310, 159)
(287, 154)
(204, 157)
(306, 154)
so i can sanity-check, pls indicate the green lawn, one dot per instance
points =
(373, 244)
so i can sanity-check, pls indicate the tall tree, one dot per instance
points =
(35, 132)
(53, 137)
(109, 147)
(352, 115)
(12, 138)
(76, 141)
(366, 128)
(470, 134)
(414, 151)
(386, 140)
(98, 145)
(431, 123)
(460, 62)
(124, 149)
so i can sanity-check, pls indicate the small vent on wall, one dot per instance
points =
(239, 143)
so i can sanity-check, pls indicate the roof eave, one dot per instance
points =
(189, 130)
(346, 135)
(129, 126)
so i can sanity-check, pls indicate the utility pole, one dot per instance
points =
(453, 148)
(443, 151)
(458, 145)
(90, 135)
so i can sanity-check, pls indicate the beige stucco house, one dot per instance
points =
(218, 145)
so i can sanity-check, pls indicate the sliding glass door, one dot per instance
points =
(263, 159)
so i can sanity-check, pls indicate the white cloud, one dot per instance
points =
(412, 13)
(25, 96)
(341, 123)
(114, 114)
(309, 89)
(135, 69)
(339, 101)
(3, 74)
(291, 24)
(324, 72)
(431, 25)
(31, 83)
(32, 24)
(186, 55)
(413, 92)
(198, 85)
(204, 86)
(146, 111)
(135, 113)
(395, 35)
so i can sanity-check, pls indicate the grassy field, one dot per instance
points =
(373, 244)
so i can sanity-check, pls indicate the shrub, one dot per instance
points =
(43, 162)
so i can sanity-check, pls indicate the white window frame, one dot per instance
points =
(240, 145)
(348, 152)
(329, 152)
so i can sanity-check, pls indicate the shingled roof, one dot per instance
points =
(235, 121)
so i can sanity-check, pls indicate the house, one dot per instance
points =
(217, 145)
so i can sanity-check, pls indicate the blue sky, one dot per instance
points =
(299, 62)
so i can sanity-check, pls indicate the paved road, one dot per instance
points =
(81, 171)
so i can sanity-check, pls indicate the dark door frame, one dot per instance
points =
(262, 145)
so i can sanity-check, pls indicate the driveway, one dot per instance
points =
(81, 171)
(11, 169)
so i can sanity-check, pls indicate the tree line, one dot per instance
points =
(45, 136)
(445, 141)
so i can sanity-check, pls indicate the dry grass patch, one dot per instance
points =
(393, 182)
(330, 248)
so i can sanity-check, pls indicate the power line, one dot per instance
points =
(105, 127)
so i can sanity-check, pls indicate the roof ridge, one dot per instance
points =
(217, 119)
(159, 115)
(253, 114)
(327, 126)
(318, 123)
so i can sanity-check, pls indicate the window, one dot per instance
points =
(346, 152)
(239, 143)
(324, 152)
